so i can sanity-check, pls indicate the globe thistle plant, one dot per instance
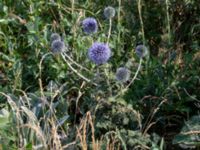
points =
(99, 53)
(141, 51)
(55, 36)
(122, 74)
(90, 25)
(109, 12)
(57, 46)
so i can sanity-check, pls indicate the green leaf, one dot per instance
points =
(4, 118)
(187, 137)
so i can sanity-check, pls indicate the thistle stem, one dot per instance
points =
(109, 31)
(68, 57)
(72, 6)
(168, 21)
(74, 70)
(141, 21)
(40, 73)
(119, 19)
(132, 81)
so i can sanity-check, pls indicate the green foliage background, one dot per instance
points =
(171, 73)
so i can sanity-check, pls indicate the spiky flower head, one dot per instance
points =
(99, 53)
(55, 36)
(57, 46)
(109, 12)
(141, 51)
(90, 25)
(122, 74)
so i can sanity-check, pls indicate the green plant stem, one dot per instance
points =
(72, 5)
(106, 70)
(141, 20)
(40, 74)
(132, 81)
(75, 71)
(109, 31)
(168, 21)
(119, 20)
(68, 57)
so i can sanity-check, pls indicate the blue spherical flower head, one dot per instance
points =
(57, 46)
(122, 74)
(90, 25)
(109, 12)
(55, 36)
(99, 53)
(141, 51)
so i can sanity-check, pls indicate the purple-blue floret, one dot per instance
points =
(57, 46)
(99, 53)
(55, 36)
(141, 51)
(90, 25)
(122, 74)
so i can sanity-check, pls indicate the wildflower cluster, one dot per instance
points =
(99, 53)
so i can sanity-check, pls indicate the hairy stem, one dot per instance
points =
(74, 70)
(109, 31)
(68, 57)
(141, 20)
(168, 21)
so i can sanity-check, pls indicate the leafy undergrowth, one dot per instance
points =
(100, 75)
